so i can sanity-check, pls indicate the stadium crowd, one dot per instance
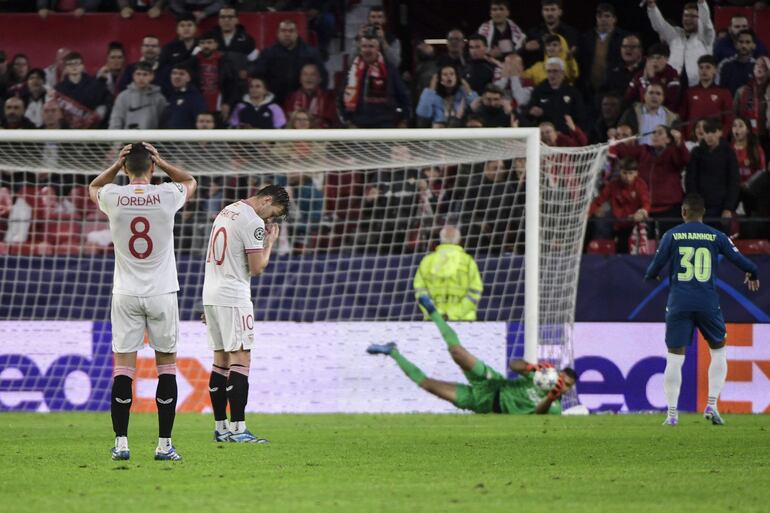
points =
(688, 113)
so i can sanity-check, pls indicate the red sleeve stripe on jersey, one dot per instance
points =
(254, 251)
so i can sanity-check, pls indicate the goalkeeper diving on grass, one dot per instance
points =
(487, 390)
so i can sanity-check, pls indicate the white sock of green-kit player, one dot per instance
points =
(717, 374)
(672, 381)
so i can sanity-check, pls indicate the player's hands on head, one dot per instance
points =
(124, 151)
(753, 285)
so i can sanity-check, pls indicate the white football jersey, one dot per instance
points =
(237, 231)
(142, 228)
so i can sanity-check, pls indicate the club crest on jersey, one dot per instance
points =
(259, 233)
(179, 186)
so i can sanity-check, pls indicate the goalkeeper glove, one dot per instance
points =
(538, 366)
(557, 389)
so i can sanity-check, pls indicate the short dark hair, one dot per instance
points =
(707, 59)
(504, 3)
(749, 32)
(551, 38)
(35, 71)
(659, 49)
(569, 371)
(182, 66)
(478, 37)
(144, 66)
(737, 16)
(629, 164)
(279, 195)
(208, 36)
(72, 56)
(138, 160)
(186, 17)
(557, 3)
(694, 203)
(377, 8)
(115, 45)
(711, 125)
(492, 88)
(605, 7)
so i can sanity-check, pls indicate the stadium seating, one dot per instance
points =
(753, 246)
(601, 247)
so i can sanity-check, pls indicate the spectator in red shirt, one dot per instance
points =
(551, 137)
(750, 156)
(629, 200)
(215, 76)
(656, 71)
(752, 100)
(707, 99)
(320, 102)
(661, 164)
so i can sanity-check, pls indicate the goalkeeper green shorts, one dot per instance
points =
(479, 396)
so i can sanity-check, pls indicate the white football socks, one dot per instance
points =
(672, 381)
(221, 426)
(717, 374)
(121, 443)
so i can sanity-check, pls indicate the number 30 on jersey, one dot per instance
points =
(696, 263)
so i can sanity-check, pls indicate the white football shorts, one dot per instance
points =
(133, 315)
(230, 328)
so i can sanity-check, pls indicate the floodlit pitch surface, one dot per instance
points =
(399, 463)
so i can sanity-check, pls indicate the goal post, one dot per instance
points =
(526, 229)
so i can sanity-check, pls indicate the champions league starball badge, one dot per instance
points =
(259, 233)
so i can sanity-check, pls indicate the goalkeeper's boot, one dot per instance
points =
(120, 451)
(223, 436)
(247, 437)
(169, 454)
(381, 348)
(427, 303)
(671, 421)
(711, 413)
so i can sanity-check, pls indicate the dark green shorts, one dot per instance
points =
(479, 396)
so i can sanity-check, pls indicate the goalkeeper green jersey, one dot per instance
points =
(493, 393)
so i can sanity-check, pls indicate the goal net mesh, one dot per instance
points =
(364, 212)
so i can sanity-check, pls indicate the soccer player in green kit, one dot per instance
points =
(488, 391)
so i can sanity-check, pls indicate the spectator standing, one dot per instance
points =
(551, 11)
(553, 48)
(629, 200)
(515, 88)
(390, 46)
(153, 8)
(554, 98)
(200, 9)
(713, 173)
(736, 71)
(493, 110)
(610, 110)
(750, 157)
(234, 41)
(480, 68)
(185, 102)
(645, 117)
(17, 74)
(574, 138)
(600, 49)
(752, 101)
(502, 34)
(181, 49)
(455, 50)
(83, 99)
(150, 51)
(660, 166)
(320, 103)
(34, 95)
(110, 73)
(726, 46)
(141, 105)
(632, 63)
(656, 70)
(446, 102)
(281, 63)
(55, 72)
(375, 96)
(707, 99)
(258, 108)
(215, 76)
(451, 278)
(689, 42)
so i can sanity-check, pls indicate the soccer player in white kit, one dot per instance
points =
(145, 282)
(239, 247)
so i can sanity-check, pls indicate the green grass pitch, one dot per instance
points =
(384, 463)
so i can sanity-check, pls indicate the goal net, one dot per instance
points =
(366, 207)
